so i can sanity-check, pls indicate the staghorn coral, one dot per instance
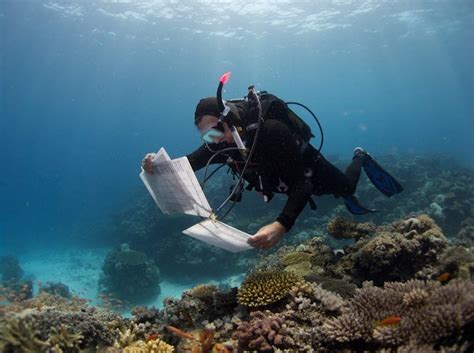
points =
(430, 314)
(150, 346)
(315, 295)
(63, 340)
(19, 334)
(265, 287)
(263, 332)
(341, 228)
(128, 336)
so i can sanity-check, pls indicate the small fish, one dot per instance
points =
(180, 333)
(388, 321)
(219, 348)
(205, 337)
(152, 337)
(443, 277)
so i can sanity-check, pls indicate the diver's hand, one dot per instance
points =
(267, 236)
(147, 162)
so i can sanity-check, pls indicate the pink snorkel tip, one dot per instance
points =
(224, 78)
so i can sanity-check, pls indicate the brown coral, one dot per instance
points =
(430, 314)
(396, 253)
(341, 228)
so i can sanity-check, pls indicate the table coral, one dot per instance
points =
(265, 287)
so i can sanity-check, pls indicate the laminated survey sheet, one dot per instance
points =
(174, 186)
(219, 234)
(175, 189)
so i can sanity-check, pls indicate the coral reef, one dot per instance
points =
(17, 291)
(265, 287)
(465, 235)
(56, 288)
(129, 276)
(199, 305)
(341, 228)
(150, 346)
(54, 324)
(10, 269)
(264, 331)
(427, 313)
(397, 253)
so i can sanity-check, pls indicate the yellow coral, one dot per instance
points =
(151, 346)
(301, 269)
(265, 287)
(296, 257)
(20, 335)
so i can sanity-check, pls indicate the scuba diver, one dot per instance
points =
(266, 146)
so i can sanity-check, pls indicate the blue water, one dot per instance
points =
(89, 87)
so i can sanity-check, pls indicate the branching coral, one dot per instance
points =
(305, 295)
(150, 346)
(62, 339)
(20, 334)
(52, 323)
(265, 287)
(428, 314)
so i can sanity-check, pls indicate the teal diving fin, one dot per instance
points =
(381, 179)
(354, 207)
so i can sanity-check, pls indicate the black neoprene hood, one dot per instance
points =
(207, 106)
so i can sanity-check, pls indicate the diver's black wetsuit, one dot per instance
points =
(276, 159)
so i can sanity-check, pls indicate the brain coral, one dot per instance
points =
(265, 287)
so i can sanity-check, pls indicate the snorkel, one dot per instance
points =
(246, 155)
(225, 109)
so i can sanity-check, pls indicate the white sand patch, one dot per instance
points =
(80, 270)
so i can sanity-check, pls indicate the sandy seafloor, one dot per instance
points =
(80, 270)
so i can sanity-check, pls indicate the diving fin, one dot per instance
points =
(382, 180)
(354, 207)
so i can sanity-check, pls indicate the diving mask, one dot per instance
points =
(212, 133)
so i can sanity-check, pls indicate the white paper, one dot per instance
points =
(175, 189)
(220, 234)
(174, 186)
